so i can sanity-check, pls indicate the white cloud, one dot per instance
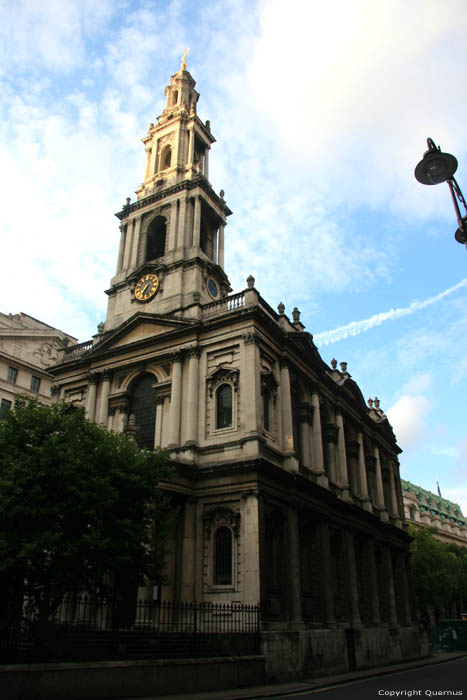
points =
(408, 418)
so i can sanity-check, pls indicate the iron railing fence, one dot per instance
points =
(85, 627)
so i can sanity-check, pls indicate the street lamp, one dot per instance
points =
(436, 167)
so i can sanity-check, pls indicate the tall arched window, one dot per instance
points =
(143, 407)
(155, 245)
(222, 557)
(224, 406)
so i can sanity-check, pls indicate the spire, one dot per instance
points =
(184, 59)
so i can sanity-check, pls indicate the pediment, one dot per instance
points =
(142, 327)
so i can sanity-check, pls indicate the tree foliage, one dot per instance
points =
(79, 505)
(439, 570)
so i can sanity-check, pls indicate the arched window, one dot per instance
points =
(224, 406)
(174, 97)
(143, 408)
(155, 245)
(222, 557)
(166, 157)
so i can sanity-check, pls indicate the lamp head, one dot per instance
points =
(436, 166)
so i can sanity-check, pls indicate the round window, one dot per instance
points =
(213, 288)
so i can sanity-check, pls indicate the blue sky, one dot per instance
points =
(320, 115)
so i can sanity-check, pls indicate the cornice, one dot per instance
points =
(200, 181)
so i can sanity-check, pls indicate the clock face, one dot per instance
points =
(212, 288)
(146, 287)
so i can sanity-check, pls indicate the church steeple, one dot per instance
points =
(172, 237)
(177, 146)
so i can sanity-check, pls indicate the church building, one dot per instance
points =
(287, 482)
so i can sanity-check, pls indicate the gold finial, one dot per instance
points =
(184, 59)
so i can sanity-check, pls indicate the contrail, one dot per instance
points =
(357, 327)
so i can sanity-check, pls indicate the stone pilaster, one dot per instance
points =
(251, 573)
(197, 222)
(104, 398)
(395, 500)
(352, 580)
(192, 397)
(294, 583)
(327, 594)
(220, 250)
(121, 248)
(172, 232)
(93, 381)
(389, 579)
(287, 424)
(187, 587)
(372, 583)
(175, 401)
(362, 474)
(383, 513)
(318, 459)
(252, 383)
(342, 455)
(138, 247)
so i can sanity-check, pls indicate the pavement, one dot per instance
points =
(278, 689)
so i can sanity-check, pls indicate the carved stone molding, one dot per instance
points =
(223, 374)
(221, 515)
(251, 337)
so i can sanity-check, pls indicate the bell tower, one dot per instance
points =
(171, 254)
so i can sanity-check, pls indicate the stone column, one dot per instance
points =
(383, 513)
(395, 503)
(158, 430)
(389, 578)
(220, 251)
(197, 221)
(295, 583)
(192, 397)
(305, 416)
(372, 582)
(251, 575)
(175, 401)
(93, 380)
(342, 467)
(121, 248)
(318, 459)
(138, 252)
(362, 474)
(327, 593)
(187, 587)
(330, 434)
(104, 402)
(352, 580)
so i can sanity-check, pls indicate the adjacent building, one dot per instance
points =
(28, 347)
(287, 482)
(426, 509)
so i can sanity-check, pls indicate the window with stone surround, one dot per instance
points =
(221, 537)
(12, 375)
(142, 411)
(222, 551)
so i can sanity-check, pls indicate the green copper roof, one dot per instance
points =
(435, 504)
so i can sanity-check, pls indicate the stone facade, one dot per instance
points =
(287, 482)
(426, 509)
(28, 347)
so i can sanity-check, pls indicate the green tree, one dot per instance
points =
(439, 570)
(79, 506)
